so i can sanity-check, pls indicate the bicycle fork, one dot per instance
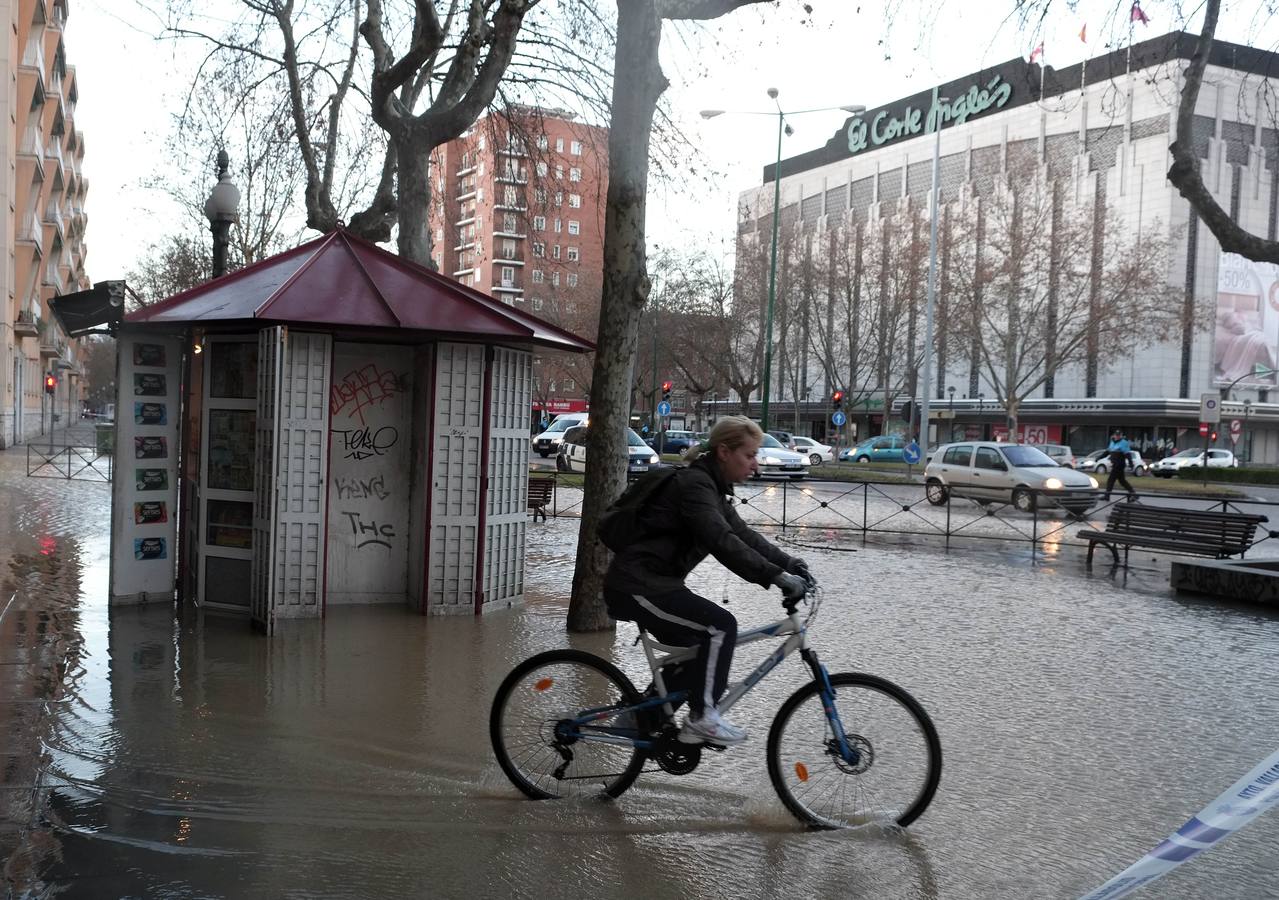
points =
(822, 677)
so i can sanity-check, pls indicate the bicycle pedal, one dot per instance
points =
(718, 747)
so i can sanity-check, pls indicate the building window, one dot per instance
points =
(574, 174)
(555, 252)
(536, 303)
(508, 276)
(559, 198)
(508, 223)
(575, 201)
(541, 170)
(559, 145)
(572, 279)
(540, 194)
(555, 278)
(572, 254)
(508, 196)
(539, 223)
(575, 148)
(508, 248)
(538, 277)
(574, 227)
(559, 172)
(539, 249)
(557, 225)
(479, 196)
(481, 142)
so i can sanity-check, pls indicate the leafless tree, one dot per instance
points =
(1030, 307)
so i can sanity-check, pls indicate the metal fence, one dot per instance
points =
(839, 511)
(83, 463)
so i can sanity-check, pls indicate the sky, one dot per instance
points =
(844, 53)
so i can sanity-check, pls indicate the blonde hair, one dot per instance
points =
(731, 431)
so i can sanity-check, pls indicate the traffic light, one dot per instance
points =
(666, 390)
(1212, 436)
(50, 383)
(908, 413)
(837, 400)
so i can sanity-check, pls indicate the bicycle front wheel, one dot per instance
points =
(888, 774)
(560, 727)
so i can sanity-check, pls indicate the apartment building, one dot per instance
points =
(44, 220)
(517, 212)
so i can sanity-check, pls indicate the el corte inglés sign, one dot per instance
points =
(889, 125)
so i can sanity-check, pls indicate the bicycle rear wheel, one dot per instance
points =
(538, 737)
(892, 771)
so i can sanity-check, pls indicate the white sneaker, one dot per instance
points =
(710, 728)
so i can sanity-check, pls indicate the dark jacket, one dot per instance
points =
(689, 518)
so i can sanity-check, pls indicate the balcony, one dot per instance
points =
(467, 194)
(514, 150)
(505, 208)
(33, 56)
(465, 170)
(467, 246)
(515, 235)
(461, 272)
(53, 216)
(25, 325)
(29, 229)
(505, 288)
(516, 260)
(512, 178)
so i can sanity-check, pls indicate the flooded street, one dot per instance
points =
(1082, 720)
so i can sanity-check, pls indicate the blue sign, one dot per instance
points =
(838, 418)
(663, 408)
(911, 453)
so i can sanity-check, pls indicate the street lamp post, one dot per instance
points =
(782, 128)
(951, 390)
(1247, 408)
(927, 393)
(981, 415)
(220, 210)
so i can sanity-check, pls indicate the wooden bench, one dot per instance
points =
(540, 491)
(1194, 532)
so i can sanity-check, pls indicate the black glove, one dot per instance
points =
(799, 567)
(793, 587)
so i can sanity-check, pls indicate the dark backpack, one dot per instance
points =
(619, 527)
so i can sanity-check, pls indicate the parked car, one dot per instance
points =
(785, 437)
(886, 448)
(774, 459)
(816, 453)
(640, 457)
(1058, 453)
(987, 471)
(548, 441)
(1217, 459)
(1098, 462)
(674, 441)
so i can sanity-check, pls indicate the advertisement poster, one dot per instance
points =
(152, 479)
(148, 355)
(150, 414)
(1246, 334)
(150, 448)
(149, 512)
(149, 548)
(149, 384)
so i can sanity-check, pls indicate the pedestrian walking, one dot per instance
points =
(1119, 449)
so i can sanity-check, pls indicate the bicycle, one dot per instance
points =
(845, 750)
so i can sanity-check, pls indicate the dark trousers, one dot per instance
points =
(682, 618)
(1117, 474)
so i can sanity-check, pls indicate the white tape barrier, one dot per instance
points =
(1246, 799)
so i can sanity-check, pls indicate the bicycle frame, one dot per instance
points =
(658, 654)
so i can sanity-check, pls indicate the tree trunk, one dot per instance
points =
(638, 82)
(414, 242)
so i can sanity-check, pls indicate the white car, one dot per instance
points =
(1098, 462)
(774, 459)
(816, 453)
(1217, 459)
(640, 457)
(988, 471)
(548, 442)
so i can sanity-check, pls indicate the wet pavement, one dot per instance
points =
(1083, 718)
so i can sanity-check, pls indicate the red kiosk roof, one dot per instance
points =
(340, 281)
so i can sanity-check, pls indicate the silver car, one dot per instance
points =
(773, 458)
(988, 471)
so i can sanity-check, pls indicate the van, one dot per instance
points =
(548, 441)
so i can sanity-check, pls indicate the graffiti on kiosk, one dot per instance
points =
(361, 488)
(362, 443)
(362, 388)
(369, 532)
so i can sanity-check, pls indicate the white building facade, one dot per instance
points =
(1101, 131)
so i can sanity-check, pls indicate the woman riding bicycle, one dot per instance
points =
(689, 518)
